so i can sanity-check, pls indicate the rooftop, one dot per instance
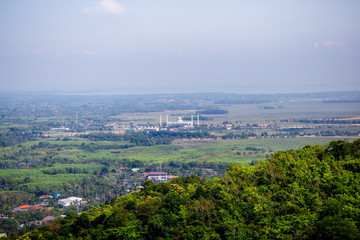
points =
(157, 173)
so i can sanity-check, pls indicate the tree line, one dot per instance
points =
(150, 138)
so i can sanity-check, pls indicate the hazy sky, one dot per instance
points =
(135, 46)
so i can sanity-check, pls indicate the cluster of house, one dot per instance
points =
(45, 220)
(40, 206)
(28, 208)
(55, 195)
(64, 202)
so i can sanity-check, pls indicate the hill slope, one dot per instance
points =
(310, 193)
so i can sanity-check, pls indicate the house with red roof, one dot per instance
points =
(44, 196)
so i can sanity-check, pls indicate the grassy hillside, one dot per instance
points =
(309, 193)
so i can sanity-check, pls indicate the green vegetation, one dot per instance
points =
(309, 193)
(148, 138)
(92, 146)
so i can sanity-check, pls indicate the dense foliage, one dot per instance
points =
(310, 193)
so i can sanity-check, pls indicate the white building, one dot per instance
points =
(180, 122)
(157, 176)
(62, 129)
(70, 201)
(148, 127)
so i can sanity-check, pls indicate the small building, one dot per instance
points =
(21, 208)
(122, 169)
(70, 201)
(211, 172)
(61, 129)
(44, 196)
(157, 176)
(47, 220)
(56, 194)
(135, 169)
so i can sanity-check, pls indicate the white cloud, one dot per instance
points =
(105, 7)
(329, 44)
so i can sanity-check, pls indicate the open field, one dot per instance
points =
(181, 150)
(230, 147)
(256, 113)
(226, 151)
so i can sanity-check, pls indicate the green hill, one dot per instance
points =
(309, 193)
